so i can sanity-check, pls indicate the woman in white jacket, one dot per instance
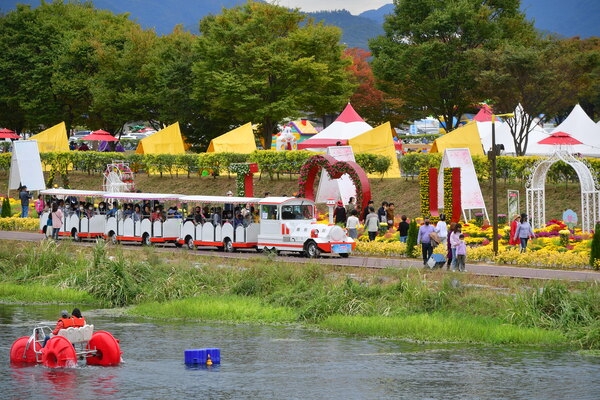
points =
(454, 242)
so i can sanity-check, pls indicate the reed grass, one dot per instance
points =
(35, 293)
(442, 327)
(220, 308)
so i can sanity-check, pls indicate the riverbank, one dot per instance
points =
(397, 303)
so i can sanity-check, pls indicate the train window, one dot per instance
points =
(268, 211)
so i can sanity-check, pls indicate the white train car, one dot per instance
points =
(76, 223)
(225, 234)
(290, 224)
(122, 228)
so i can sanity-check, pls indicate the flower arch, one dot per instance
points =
(336, 169)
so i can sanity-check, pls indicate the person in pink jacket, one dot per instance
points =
(57, 220)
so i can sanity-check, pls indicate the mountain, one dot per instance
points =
(565, 18)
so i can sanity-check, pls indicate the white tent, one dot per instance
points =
(580, 126)
(346, 126)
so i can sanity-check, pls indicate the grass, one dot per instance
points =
(443, 327)
(207, 307)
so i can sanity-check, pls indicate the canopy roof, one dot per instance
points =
(239, 140)
(165, 141)
(52, 139)
(346, 126)
(466, 136)
(378, 141)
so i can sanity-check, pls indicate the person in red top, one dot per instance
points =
(64, 322)
(78, 320)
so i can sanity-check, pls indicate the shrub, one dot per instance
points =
(6, 211)
(595, 250)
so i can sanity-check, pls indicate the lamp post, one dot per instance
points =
(492, 157)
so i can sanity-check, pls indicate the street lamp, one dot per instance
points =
(492, 156)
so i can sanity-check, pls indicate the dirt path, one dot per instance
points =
(376, 262)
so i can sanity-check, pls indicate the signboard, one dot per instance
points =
(513, 204)
(342, 188)
(26, 166)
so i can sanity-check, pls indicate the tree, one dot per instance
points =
(426, 56)
(371, 103)
(262, 63)
(532, 76)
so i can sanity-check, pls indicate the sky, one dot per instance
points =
(354, 6)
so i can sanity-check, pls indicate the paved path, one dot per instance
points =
(486, 269)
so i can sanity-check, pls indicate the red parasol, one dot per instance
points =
(560, 138)
(101, 136)
(8, 134)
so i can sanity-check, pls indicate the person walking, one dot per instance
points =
(524, 232)
(513, 229)
(352, 224)
(339, 214)
(372, 223)
(24, 196)
(454, 240)
(403, 227)
(39, 205)
(424, 239)
(461, 253)
(57, 220)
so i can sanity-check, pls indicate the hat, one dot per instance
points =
(64, 313)
(229, 193)
(516, 216)
(340, 203)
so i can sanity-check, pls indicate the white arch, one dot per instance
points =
(536, 191)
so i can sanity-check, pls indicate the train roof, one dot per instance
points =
(72, 192)
(141, 196)
(219, 199)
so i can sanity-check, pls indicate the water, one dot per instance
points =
(281, 362)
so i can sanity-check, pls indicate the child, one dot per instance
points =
(461, 253)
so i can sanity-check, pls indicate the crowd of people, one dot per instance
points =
(429, 235)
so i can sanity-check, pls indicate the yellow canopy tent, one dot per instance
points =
(52, 139)
(378, 141)
(466, 136)
(240, 140)
(165, 141)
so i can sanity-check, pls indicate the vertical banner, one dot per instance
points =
(513, 204)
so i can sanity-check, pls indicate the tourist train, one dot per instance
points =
(228, 223)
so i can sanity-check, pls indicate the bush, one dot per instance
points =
(6, 211)
(411, 241)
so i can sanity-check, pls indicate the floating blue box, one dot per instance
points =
(199, 356)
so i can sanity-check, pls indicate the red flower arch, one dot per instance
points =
(336, 169)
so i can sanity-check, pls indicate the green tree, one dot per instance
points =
(427, 55)
(262, 63)
(530, 75)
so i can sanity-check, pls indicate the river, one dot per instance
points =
(286, 362)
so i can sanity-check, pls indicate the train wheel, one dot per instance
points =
(23, 352)
(146, 240)
(228, 246)
(75, 235)
(344, 255)
(59, 353)
(190, 243)
(108, 351)
(312, 250)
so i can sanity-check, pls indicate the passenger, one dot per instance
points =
(239, 220)
(89, 212)
(156, 214)
(64, 322)
(112, 210)
(78, 320)
(216, 217)
(137, 213)
(199, 217)
(146, 213)
(102, 208)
